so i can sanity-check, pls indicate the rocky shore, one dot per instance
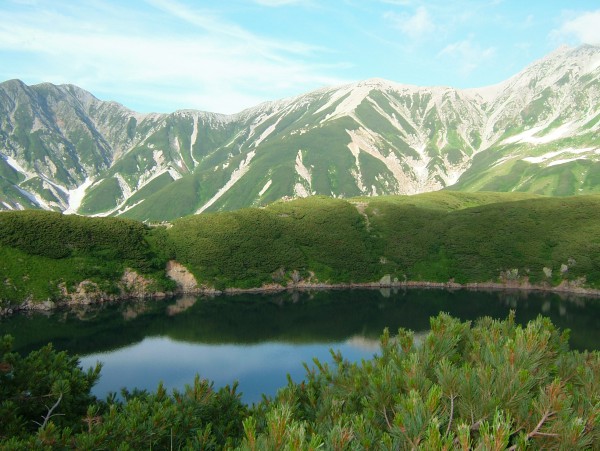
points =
(135, 286)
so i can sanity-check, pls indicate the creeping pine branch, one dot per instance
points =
(49, 414)
(451, 413)
(536, 431)
(386, 417)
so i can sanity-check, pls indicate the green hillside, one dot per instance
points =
(476, 237)
(40, 251)
(438, 237)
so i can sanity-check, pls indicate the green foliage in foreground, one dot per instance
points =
(491, 385)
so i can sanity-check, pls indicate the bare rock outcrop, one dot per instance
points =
(186, 282)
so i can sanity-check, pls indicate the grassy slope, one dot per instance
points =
(501, 168)
(468, 237)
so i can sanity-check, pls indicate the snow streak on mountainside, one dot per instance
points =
(63, 149)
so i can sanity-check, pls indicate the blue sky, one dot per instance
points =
(226, 55)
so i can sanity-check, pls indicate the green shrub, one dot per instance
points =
(488, 385)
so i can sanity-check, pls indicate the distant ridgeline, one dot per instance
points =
(62, 149)
(509, 239)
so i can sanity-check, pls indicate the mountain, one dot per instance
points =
(541, 133)
(63, 149)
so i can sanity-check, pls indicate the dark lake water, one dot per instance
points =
(259, 339)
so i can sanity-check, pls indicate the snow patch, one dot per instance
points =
(270, 129)
(355, 150)
(355, 95)
(365, 142)
(193, 139)
(265, 188)
(302, 170)
(529, 136)
(125, 188)
(300, 190)
(76, 195)
(236, 175)
(17, 167)
(304, 173)
(174, 174)
(453, 172)
(563, 161)
(149, 176)
(392, 119)
(129, 207)
(551, 155)
(158, 157)
(335, 96)
(33, 198)
(181, 165)
(419, 166)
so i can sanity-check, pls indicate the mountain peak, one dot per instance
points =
(61, 147)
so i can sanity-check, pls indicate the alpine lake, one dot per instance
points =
(260, 339)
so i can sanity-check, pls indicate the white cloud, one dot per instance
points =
(467, 55)
(585, 27)
(278, 2)
(397, 2)
(215, 66)
(414, 26)
(209, 22)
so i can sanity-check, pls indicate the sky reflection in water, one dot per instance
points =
(258, 339)
(259, 368)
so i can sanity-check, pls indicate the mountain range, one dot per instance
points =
(63, 149)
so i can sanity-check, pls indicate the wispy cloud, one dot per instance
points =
(209, 21)
(584, 27)
(278, 2)
(415, 26)
(397, 2)
(467, 55)
(217, 66)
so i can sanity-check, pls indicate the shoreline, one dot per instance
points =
(566, 287)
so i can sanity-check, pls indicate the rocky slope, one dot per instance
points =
(63, 149)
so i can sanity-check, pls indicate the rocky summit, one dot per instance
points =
(63, 149)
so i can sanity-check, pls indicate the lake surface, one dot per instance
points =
(259, 339)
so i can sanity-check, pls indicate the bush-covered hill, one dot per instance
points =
(504, 240)
(438, 237)
(483, 237)
(44, 253)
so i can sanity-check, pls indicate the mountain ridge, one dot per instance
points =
(63, 149)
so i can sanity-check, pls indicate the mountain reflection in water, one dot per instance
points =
(257, 339)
